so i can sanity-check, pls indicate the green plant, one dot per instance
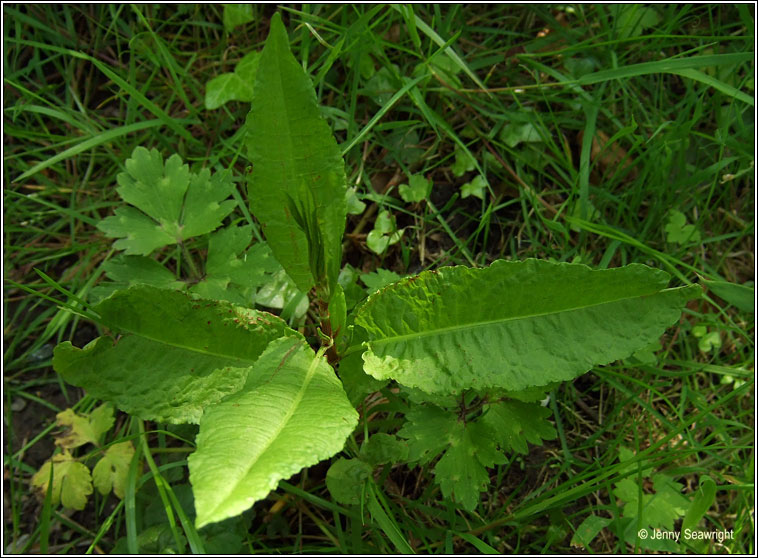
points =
(644, 513)
(472, 350)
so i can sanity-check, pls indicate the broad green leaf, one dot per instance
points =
(178, 354)
(233, 86)
(236, 14)
(111, 471)
(296, 163)
(345, 480)
(72, 483)
(233, 272)
(741, 296)
(292, 413)
(513, 325)
(173, 203)
(84, 429)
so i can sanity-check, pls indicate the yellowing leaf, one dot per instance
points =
(83, 429)
(72, 483)
(111, 471)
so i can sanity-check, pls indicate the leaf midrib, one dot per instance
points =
(469, 326)
(295, 403)
(193, 349)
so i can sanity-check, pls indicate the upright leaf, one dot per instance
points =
(292, 149)
(178, 354)
(513, 325)
(292, 413)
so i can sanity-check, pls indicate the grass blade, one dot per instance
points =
(664, 66)
(386, 522)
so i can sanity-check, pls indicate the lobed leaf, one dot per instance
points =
(112, 470)
(171, 203)
(293, 150)
(516, 423)
(292, 413)
(513, 325)
(232, 271)
(84, 429)
(462, 473)
(72, 483)
(178, 354)
(467, 450)
(140, 270)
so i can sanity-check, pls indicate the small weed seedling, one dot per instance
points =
(472, 351)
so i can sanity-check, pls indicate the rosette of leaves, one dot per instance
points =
(472, 349)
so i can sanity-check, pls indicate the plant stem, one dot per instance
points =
(191, 262)
(326, 327)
